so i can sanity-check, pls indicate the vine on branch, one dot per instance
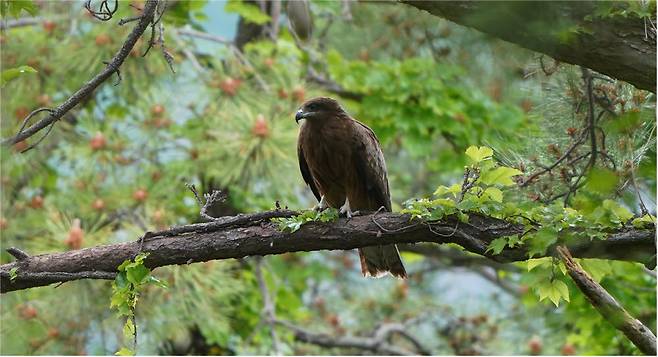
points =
(130, 281)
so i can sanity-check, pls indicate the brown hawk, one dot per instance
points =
(342, 162)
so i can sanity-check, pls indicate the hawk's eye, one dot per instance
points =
(313, 107)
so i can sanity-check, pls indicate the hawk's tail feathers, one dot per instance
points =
(379, 260)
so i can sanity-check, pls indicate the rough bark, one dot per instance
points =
(608, 307)
(569, 31)
(254, 234)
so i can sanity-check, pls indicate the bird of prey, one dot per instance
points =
(342, 162)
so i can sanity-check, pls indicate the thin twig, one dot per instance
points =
(130, 19)
(381, 228)
(236, 51)
(587, 77)
(104, 13)
(96, 81)
(556, 163)
(269, 313)
(643, 207)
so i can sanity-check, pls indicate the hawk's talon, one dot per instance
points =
(321, 206)
(345, 210)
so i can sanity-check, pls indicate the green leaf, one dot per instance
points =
(497, 245)
(137, 274)
(251, 13)
(602, 181)
(443, 190)
(620, 212)
(121, 281)
(644, 221)
(563, 290)
(494, 194)
(541, 240)
(128, 329)
(124, 265)
(328, 215)
(125, 351)
(411, 258)
(13, 273)
(13, 73)
(533, 263)
(500, 175)
(628, 123)
(479, 154)
(184, 12)
(555, 291)
(153, 280)
(597, 268)
(14, 7)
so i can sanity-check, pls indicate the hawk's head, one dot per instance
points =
(318, 109)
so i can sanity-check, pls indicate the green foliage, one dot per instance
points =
(480, 154)
(425, 101)
(10, 74)
(480, 192)
(293, 224)
(545, 225)
(554, 290)
(13, 273)
(249, 12)
(14, 8)
(186, 12)
(624, 9)
(131, 278)
(644, 221)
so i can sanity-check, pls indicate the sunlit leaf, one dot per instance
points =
(478, 154)
(555, 291)
(597, 268)
(644, 221)
(533, 263)
(495, 194)
(500, 176)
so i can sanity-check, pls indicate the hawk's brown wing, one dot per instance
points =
(371, 168)
(372, 177)
(306, 173)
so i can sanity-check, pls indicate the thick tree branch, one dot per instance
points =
(569, 31)
(84, 91)
(608, 307)
(253, 234)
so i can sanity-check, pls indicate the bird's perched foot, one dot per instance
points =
(321, 206)
(345, 210)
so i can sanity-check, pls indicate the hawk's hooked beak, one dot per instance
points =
(299, 116)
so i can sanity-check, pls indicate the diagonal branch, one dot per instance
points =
(92, 84)
(608, 307)
(254, 235)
